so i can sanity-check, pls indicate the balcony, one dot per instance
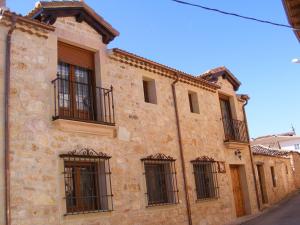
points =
(235, 130)
(79, 101)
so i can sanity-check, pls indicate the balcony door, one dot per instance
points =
(76, 83)
(227, 118)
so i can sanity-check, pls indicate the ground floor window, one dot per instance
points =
(87, 181)
(161, 183)
(205, 174)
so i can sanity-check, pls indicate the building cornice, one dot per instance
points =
(154, 67)
(25, 24)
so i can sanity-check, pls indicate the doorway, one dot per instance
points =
(237, 191)
(262, 184)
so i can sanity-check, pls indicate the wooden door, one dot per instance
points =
(237, 191)
(262, 184)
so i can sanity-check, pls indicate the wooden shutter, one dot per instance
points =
(75, 56)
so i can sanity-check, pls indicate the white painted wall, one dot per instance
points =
(290, 144)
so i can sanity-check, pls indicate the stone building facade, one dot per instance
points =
(144, 116)
(276, 176)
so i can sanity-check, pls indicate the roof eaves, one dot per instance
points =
(73, 4)
(170, 69)
(32, 22)
(290, 18)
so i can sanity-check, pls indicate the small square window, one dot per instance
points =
(149, 90)
(205, 174)
(193, 102)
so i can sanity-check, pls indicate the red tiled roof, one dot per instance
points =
(175, 71)
(32, 22)
(263, 150)
(73, 8)
(213, 74)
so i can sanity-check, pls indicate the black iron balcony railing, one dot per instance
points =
(82, 102)
(235, 130)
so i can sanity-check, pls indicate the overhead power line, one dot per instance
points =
(234, 14)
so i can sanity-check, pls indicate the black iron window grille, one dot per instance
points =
(205, 173)
(87, 178)
(161, 182)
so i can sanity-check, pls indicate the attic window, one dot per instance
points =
(193, 102)
(149, 90)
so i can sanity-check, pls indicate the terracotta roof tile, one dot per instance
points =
(213, 74)
(6, 12)
(55, 4)
(263, 150)
(181, 73)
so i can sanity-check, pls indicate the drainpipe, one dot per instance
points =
(246, 98)
(188, 205)
(6, 119)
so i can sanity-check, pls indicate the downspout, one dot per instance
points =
(6, 119)
(246, 98)
(188, 205)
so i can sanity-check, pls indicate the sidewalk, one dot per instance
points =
(244, 220)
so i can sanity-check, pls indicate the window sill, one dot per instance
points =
(87, 212)
(85, 128)
(207, 200)
(161, 204)
(235, 144)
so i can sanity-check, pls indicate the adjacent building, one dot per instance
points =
(289, 141)
(292, 8)
(275, 173)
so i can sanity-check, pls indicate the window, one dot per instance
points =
(161, 180)
(87, 181)
(205, 173)
(297, 146)
(149, 90)
(193, 101)
(273, 176)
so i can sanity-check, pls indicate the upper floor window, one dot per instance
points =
(205, 174)
(234, 130)
(161, 180)
(149, 90)
(273, 176)
(297, 146)
(87, 181)
(193, 102)
(76, 95)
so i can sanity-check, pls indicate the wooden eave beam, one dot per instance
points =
(50, 15)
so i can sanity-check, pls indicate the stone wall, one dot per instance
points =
(284, 176)
(3, 32)
(37, 185)
(296, 168)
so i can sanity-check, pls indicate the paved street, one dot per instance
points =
(286, 213)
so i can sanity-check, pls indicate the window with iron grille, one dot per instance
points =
(161, 183)
(87, 181)
(205, 173)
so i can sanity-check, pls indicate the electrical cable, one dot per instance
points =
(234, 14)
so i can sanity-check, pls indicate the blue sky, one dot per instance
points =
(194, 41)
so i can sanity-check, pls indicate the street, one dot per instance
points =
(286, 213)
